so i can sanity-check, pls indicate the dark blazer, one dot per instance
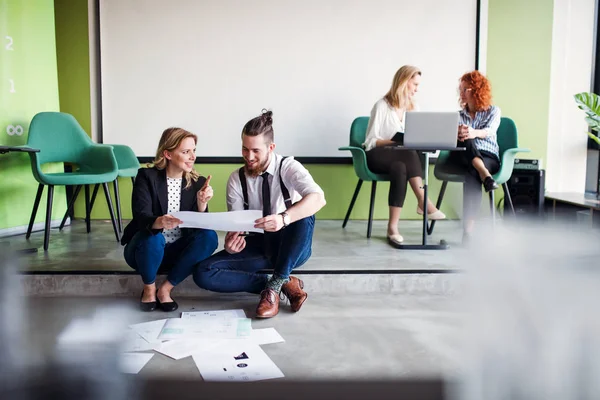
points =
(149, 201)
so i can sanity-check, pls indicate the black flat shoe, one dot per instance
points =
(167, 307)
(490, 184)
(146, 307)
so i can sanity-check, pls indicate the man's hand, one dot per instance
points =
(270, 223)
(234, 243)
(166, 222)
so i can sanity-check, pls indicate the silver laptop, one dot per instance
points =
(431, 129)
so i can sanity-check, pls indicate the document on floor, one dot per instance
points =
(177, 328)
(149, 330)
(134, 342)
(264, 336)
(132, 363)
(236, 363)
(232, 221)
(217, 314)
(178, 349)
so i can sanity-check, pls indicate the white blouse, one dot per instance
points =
(383, 124)
(174, 199)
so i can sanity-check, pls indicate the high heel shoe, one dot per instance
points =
(434, 216)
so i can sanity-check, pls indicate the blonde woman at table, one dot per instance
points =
(403, 166)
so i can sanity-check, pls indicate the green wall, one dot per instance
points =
(518, 64)
(28, 85)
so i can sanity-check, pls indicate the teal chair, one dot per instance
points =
(358, 132)
(508, 142)
(128, 165)
(60, 138)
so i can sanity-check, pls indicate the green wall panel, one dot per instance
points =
(28, 85)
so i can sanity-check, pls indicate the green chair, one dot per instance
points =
(358, 132)
(128, 165)
(60, 138)
(508, 142)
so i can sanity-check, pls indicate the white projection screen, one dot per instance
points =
(210, 65)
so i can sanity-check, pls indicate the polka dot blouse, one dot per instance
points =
(174, 200)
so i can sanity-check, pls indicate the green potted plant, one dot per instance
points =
(590, 104)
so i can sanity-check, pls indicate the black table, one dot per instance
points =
(21, 149)
(442, 245)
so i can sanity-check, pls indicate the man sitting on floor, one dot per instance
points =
(289, 197)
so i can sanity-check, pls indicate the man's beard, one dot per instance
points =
(256, 170)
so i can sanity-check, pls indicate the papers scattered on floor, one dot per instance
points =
(236, 363)
(222, 343)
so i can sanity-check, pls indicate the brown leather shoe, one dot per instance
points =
(269, 304)
(293, 291)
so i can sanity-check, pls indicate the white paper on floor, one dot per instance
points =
(177, 328)
(132, 363)
(178, 349)
(239, 362)
(149, 330)
(134, 342)
(222, 314)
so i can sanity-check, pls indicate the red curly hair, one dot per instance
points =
(481, 89)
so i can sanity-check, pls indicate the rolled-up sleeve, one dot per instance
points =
(296, 176)
(492, 122)
(235, 197)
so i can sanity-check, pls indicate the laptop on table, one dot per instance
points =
(431, 130)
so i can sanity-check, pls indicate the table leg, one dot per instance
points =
(424, 246)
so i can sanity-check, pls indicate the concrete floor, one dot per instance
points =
(366, 337)
(334, 248)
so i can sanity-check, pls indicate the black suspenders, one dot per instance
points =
(286, 194)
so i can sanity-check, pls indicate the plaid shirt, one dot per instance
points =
(488, 120)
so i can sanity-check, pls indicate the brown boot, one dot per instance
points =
(269, 304)
(293, 291)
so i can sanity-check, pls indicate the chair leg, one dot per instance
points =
(354, 196)
(371, 207)
(70, 207)
(88, 209)
(118, 205)
(110, 209)
(36, 204)
(507, 196)
(492, 208)
(94, 194)
(437, 205)
(48, 216)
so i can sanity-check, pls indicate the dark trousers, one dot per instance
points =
(283, 251)
(147, 253)
(400, 165)
(460, 162)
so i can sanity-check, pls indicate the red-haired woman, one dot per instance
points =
(479, 121)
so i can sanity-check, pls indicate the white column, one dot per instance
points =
(570, 73)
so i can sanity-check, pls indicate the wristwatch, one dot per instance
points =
(286, 219)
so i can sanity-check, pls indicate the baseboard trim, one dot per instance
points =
(39, 226)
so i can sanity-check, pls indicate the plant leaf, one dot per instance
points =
(594, 137)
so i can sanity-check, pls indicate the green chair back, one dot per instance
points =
(358, 131)
(127, 161)
(59, 137)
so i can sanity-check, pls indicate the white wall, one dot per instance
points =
(211, 65)
(571, 71)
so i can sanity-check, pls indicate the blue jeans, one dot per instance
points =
(282, 251)
(146, 253)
